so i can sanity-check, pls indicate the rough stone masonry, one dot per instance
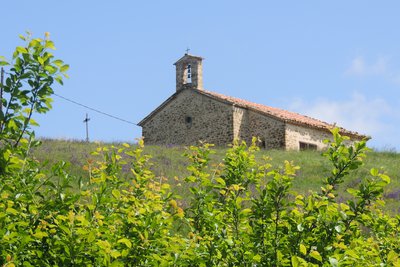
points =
(193, 113)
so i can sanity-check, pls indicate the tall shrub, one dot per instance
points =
(240, 212)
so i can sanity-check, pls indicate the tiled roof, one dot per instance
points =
(287, 116)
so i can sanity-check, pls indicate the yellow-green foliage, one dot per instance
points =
(239, 212)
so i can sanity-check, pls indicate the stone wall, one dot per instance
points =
(192, 116)
(188, 118)
(240, 124)
(248, 124)
(296, 134)
(269, 130)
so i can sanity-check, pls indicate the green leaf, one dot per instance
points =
(4, 63)
(385, 178)
(65, 229)
(40, 234)
(116, 193)
(115, 254)
(352, 191)
(315, 254)
(58, 62)
(338, 228)
(15, 54)
(12, 211)
(59, 80)
(246, 211)
(334, 262)
(300, 227)
(33, 122)
(40, 60)
(21, 50)
(64, 68)
(49, 44)
(374, 172)
(303, 249)
(257, 258)
(352, 253)
(103, 244)
(392, 256)
(50, 69)
(157, 257)
(220, 181)
(295, 261)
(34, 43)
(229, 241)
(117, 264)
(126, 242)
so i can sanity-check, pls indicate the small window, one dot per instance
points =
(188, 120)
(261, 143)
(188, 74)
(307, 146)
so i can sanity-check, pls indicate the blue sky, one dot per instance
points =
(337, 61)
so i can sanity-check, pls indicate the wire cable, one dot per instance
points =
(95, 110)
(90, 108)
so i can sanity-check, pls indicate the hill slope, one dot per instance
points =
(170, 163)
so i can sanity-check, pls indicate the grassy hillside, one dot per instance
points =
(170, 163)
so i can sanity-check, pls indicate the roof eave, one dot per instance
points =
(188, 55)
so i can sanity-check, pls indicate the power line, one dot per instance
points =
(95, 110)
(90, 108)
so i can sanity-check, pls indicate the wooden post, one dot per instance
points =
(86, 120)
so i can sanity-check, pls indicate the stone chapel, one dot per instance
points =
(193, 113)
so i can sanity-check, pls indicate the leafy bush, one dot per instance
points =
(240, 212)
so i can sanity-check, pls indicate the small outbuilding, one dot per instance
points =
(192, 114)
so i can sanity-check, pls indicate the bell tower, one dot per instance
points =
(189, 72)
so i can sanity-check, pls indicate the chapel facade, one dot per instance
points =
(193, 113)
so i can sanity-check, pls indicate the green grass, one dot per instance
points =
(169, 162)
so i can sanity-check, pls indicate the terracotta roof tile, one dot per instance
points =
(284, 115)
